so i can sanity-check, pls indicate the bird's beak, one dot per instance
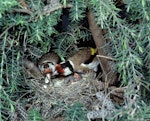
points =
(55, 73)
(48, 78)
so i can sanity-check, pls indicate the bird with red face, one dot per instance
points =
(80, 62)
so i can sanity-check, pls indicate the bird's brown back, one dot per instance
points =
(80, 57)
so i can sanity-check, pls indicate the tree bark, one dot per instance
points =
(108, 74)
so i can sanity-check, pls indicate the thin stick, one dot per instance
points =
(6, 31)
(102, 56)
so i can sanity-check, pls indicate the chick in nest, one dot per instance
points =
(80, 62)
(47, 64)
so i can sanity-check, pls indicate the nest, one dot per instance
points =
(53, 97)
(61, 92)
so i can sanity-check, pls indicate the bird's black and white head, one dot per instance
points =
(64, 68)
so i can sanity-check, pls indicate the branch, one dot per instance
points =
(49, 8)
(108, 74)
(22, 11)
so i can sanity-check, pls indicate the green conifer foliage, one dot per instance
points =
(32, 23)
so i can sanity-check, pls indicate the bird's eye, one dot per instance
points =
(46, 65)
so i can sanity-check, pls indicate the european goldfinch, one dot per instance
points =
(76, 63)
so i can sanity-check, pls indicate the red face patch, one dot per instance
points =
(60, 69)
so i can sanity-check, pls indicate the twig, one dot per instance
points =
(6, 30)
(23, 3)
(22, 11)
(23, 96)
(47, 10)
(107, 98)
(109, 58)
(120, 88)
